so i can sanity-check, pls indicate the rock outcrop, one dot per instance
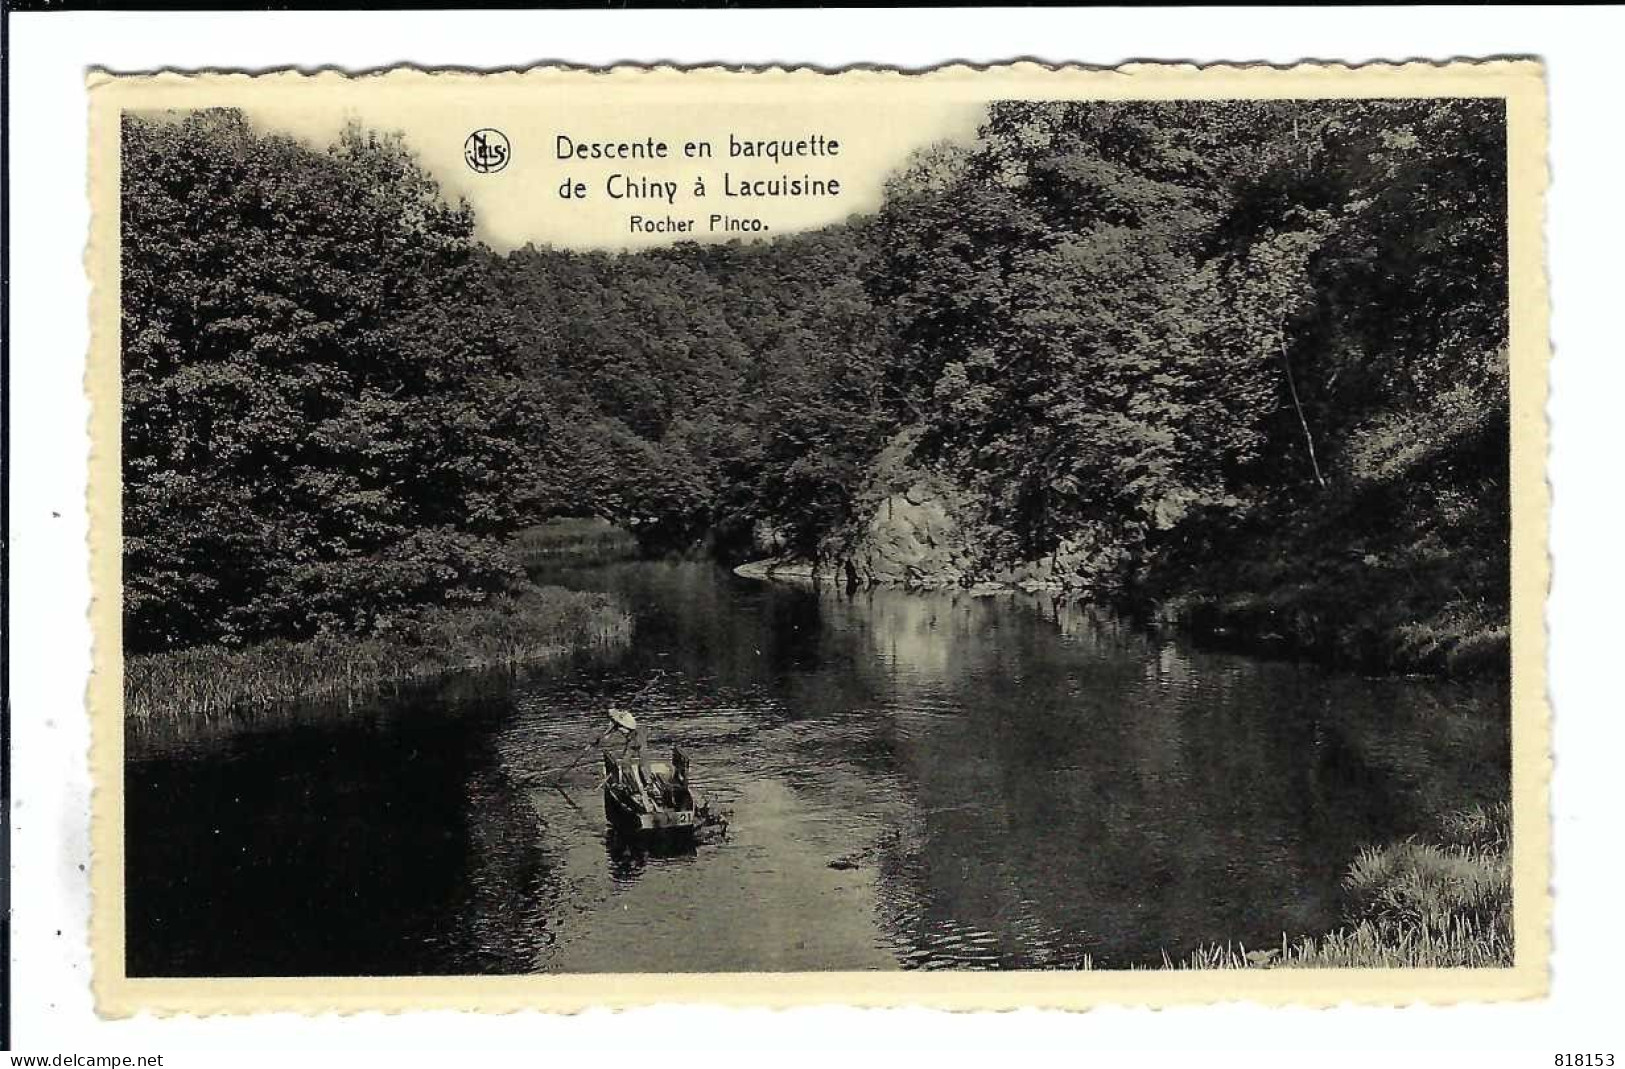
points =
(919, 529)
(913, 538)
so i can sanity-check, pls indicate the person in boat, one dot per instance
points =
(667, 781)
(654, 781)
(624, 765)
(649, 780)
(633, 739)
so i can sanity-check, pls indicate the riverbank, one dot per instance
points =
(1445, 903)
(1367, 622)
(1395, 569)
(796, 570)
(535, 623)
(1312, 621)
(785, 570)
(1400, 569)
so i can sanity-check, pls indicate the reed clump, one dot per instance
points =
(532, 624)
(1461, 943)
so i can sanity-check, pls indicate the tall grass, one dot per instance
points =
(1461, 943)
(573, 541)
(533, 624)
(1441, 904)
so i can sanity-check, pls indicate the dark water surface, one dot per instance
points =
(916, 780)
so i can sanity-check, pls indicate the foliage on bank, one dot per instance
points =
(699, 391)
(1241, 361)
(323, 420)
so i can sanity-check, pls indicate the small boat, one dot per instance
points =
(646, 796)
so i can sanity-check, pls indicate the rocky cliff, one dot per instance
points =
(918, 528)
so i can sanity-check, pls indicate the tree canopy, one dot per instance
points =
(323, 414)
(1270, 334)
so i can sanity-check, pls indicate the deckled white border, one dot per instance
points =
(48, 56)
(1519, 82)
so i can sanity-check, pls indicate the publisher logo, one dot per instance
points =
(487, 151)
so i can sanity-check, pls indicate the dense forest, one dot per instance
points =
(1240, 366)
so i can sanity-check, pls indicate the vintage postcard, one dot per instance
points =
(977, 538)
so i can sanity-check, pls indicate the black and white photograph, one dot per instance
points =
(1054, 533)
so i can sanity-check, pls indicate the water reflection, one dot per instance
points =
(917, 781)
(628, 857)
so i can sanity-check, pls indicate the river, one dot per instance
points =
(915, 781)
